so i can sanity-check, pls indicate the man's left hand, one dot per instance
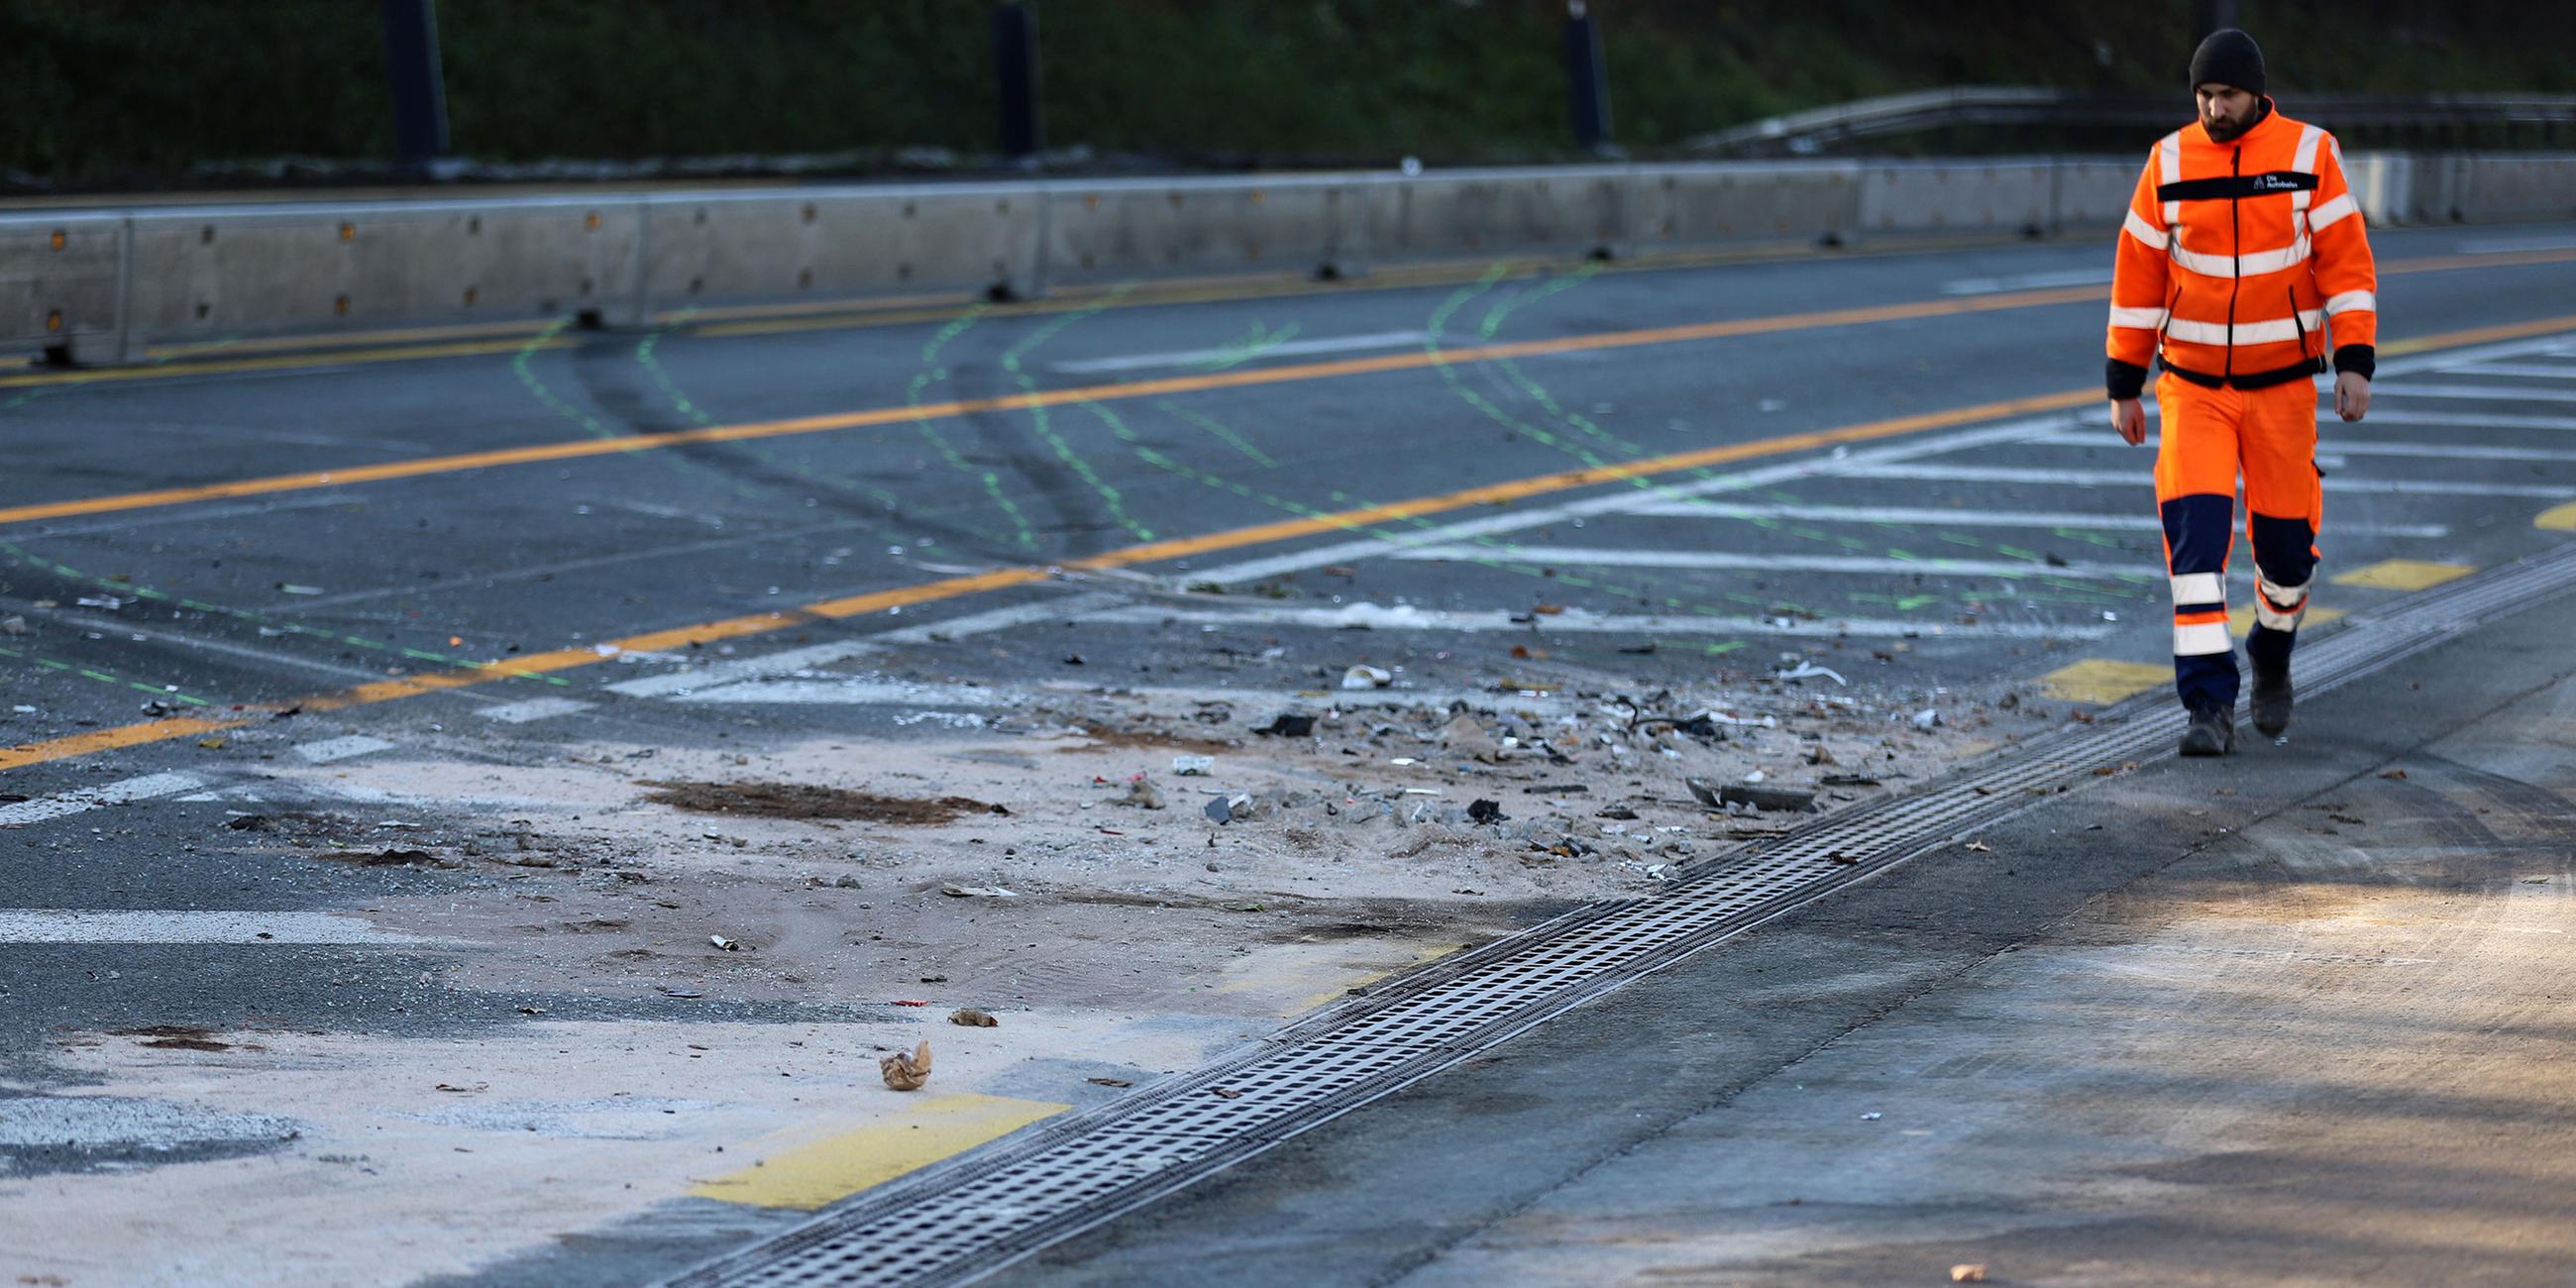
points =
(2352, 395)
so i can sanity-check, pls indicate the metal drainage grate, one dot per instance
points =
(959, 1221)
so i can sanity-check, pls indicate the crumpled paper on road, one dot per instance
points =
(906, 1070)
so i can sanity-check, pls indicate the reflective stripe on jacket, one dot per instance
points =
(2239, 258)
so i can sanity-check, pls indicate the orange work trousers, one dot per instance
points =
(2210, 437)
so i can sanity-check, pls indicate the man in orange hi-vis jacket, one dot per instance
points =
(2243, 264)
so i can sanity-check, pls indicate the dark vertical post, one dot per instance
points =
(1587, 79)
(1015, 65)
(420, 94)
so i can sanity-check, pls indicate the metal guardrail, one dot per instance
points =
(106, 286)
(1818, 129)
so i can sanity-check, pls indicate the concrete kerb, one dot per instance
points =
(122, 281)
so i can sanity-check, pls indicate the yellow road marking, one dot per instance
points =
(769, 319)
(959, 587)
(2101, 680)
(2240, 619)
(2403, 574)
(1405, 361)
(816, 1175)
(2557, 518)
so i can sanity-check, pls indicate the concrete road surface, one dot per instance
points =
(379, 720)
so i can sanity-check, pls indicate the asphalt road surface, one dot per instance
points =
(1898, 464)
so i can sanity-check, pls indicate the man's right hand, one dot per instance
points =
(2129, 416)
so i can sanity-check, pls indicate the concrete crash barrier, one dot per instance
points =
(103, 286)
(725, 249)
(1115, 230)
(1711, 205)
(60, 284)
(209, 273)
(1996, 197)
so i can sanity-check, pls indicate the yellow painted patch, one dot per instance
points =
(2557, 518)
(2099, 679)
(812, 1176)
(2403, 574)
(2240, 619)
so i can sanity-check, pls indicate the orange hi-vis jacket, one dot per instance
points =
(2239, 259)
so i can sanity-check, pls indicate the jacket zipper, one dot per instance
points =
(2236, 248)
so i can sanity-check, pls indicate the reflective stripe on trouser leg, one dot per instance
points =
(2284, 508)
(2198, 533)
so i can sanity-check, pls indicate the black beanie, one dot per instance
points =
(2229, 57)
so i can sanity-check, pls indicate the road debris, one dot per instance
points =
(1141, 794)
(1927, 718)
(1767, 799)
(906, 1071)
(1366, 677)
(1285, 725)
(1484, 811)
(1807, 670)
(1109, 1082)
(1971, 1273)
(1193, 766)
(727, 945)
(955, 891)
(811, 801)
(973, 1019)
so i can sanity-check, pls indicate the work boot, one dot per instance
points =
(2212, 732)
(2271, 699)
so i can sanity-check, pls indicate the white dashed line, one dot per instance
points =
(95, 926)
(148, 787)
(1587, 557)
(1284, 349)
(1407, 618)
(351, 747)
(533, 709)
(2139, 481)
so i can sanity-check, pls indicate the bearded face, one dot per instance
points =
(2226, 111)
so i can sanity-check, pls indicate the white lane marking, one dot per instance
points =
(1399, 695)
(2346, 445)
(1620, 502)
(128, 1124)
(2142, 521)
(147, 787)
(1500, 621)
(2393, 416)
(2487, 393)
(856, 690)
(2514, 245)
(2027, 281)
(815, 656)
(2514, 369)
(188, 514)
(533, 709)
(1285, 349)
(1587, 557)
(99, 926)
(2138, 479)
(349, 748)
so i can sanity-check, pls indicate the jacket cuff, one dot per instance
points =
(2129, 380)
(2360, 359)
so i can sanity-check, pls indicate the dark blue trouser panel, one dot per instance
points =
(2199, 529)
(2286, 551)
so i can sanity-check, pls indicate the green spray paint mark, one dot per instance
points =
(683, 404)
(1235, 353)
(1022, 534)
(1220, 432)
(267, 624)
(1044, 425)
(166, 693)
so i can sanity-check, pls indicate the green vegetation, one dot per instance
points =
(136, 91)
